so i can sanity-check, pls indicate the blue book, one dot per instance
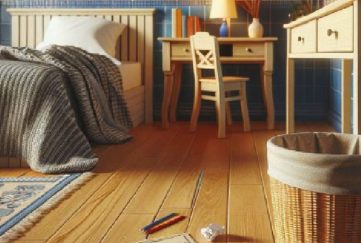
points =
(184, 26)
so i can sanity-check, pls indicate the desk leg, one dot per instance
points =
(268, 98)
(267, 85)
(167, 95)
(290, 96)
(346, 96)
(176, 90)
(356, 96)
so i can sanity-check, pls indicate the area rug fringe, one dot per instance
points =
(28, 222)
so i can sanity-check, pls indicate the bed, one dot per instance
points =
(135, 52)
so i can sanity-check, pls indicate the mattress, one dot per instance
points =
(131, 74)
(133, 90)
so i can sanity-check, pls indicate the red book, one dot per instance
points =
(197, 24)
(190, 26)
(179, 23)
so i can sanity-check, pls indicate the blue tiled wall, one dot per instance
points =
(312, 87)
(335, 94)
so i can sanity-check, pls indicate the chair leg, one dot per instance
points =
(229, 114)
(196, 108)
(221, 114)
(244, 108)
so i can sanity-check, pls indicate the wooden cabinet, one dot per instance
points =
(303, 38)
(335, 31)
(331, 32)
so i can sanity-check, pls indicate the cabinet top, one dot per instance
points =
(326, 10)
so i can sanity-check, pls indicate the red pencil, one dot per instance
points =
(165, 224)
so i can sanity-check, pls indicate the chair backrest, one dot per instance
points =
(205, 55)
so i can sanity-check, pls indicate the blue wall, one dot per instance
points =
(312, 86)
(335, 94)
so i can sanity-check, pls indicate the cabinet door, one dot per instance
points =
(335, 31)
(303, 38)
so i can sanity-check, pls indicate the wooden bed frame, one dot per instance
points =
(136, 45)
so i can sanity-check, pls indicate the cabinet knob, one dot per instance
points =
(249, 50)
(331, 32)
(301, 39)
(186, 50)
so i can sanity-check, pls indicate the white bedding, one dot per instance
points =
(95, 35)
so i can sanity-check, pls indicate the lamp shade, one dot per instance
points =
(223, 9)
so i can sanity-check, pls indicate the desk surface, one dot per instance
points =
(224, 39)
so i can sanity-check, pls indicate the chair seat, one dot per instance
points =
(226, 79)
(231, 83)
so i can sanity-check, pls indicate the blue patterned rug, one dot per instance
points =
(24, 200)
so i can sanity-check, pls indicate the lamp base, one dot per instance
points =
(223, 30)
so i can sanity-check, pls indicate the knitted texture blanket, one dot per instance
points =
(54, 103)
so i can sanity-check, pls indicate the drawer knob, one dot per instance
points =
(249, 50)
(301, 39)
(331, 32)
(186, 50)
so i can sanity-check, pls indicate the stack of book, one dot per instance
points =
(184, 26)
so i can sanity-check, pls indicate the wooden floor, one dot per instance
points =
(209, 180)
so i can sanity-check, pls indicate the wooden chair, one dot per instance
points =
(205, 54)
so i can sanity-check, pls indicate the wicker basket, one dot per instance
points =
(302, 215)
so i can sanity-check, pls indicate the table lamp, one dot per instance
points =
(223, 9)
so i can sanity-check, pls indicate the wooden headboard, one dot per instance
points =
(136, 44)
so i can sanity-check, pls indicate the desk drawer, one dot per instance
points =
(303, 38)
(335, 31)
(248, 50)
(181, 50)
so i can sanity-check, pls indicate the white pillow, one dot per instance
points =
(95, 35)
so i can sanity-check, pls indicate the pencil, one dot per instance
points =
(159, 221)
(166, 224)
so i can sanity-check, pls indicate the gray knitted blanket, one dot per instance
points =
(54, 103)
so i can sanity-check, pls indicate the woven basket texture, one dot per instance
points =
(306, 216)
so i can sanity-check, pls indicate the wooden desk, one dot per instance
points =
(176, 51)
(330, 32)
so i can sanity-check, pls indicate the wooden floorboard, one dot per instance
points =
(211, 204)
(248, 219)
(107, 165)
(11, 172)
(97, 215)
(244, 168)
(182, 192)
(126, 228)
(182, 195)
(260, 138)
(208, 180)
(156, 186)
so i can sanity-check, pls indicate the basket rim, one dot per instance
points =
(271, 143)
(319, 172)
